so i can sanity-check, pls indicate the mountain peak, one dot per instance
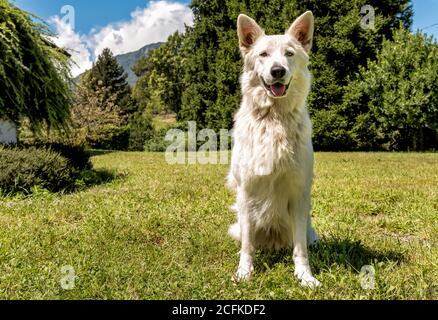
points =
(128, 60)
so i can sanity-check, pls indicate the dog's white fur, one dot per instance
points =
(272, 158)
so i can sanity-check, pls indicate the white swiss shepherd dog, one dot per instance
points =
(272, 159)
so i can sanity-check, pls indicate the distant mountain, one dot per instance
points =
(128, 60)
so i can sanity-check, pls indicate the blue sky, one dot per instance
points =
(89, 13)
(121, 25)
(127, 25)
(98, 13)
(426, 14)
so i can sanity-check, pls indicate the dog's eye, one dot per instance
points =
(264, 54)
(290, 53)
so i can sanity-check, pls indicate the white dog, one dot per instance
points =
(272, 159)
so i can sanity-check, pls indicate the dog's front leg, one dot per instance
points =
(301, 214)
(246, 266)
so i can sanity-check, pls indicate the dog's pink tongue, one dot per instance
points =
(278, 89)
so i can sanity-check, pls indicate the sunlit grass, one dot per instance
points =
(160, 233)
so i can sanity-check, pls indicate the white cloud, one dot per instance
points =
(152, 24)
(74, 44)
(147, 25)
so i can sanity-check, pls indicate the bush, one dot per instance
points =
(23, 169)
(77, 156)
(393, 104)
(157, 142)
(116, 138)
(141, 131)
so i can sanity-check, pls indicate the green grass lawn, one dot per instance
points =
(160, 232)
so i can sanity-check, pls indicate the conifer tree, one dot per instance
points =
(107, 73)
(210, 62)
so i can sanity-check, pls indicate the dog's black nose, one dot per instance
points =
(278, 72)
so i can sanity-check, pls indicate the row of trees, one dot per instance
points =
(37, 91)
(374, 88)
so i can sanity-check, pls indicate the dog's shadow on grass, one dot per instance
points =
(328, 252)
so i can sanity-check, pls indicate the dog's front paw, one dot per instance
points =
(310, 282)
(243, 274)
(306, 279)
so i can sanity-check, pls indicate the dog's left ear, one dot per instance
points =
(302, 29)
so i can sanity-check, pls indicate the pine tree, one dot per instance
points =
(95, 114)
(107, 73)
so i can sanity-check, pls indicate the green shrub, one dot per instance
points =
(23, 169)
(393, 104)
(141, 130)
(77, 156)
(157, 142)
(117, 139)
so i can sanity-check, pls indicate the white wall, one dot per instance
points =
(8, 132)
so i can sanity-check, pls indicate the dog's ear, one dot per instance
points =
(249, 31)
(302, 29)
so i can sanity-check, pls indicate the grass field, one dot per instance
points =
(158, 231)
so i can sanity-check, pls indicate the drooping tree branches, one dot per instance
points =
(34, 73)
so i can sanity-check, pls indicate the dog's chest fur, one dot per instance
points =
(270, 140)
(272, 161)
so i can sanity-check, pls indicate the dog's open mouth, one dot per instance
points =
(277, 89)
